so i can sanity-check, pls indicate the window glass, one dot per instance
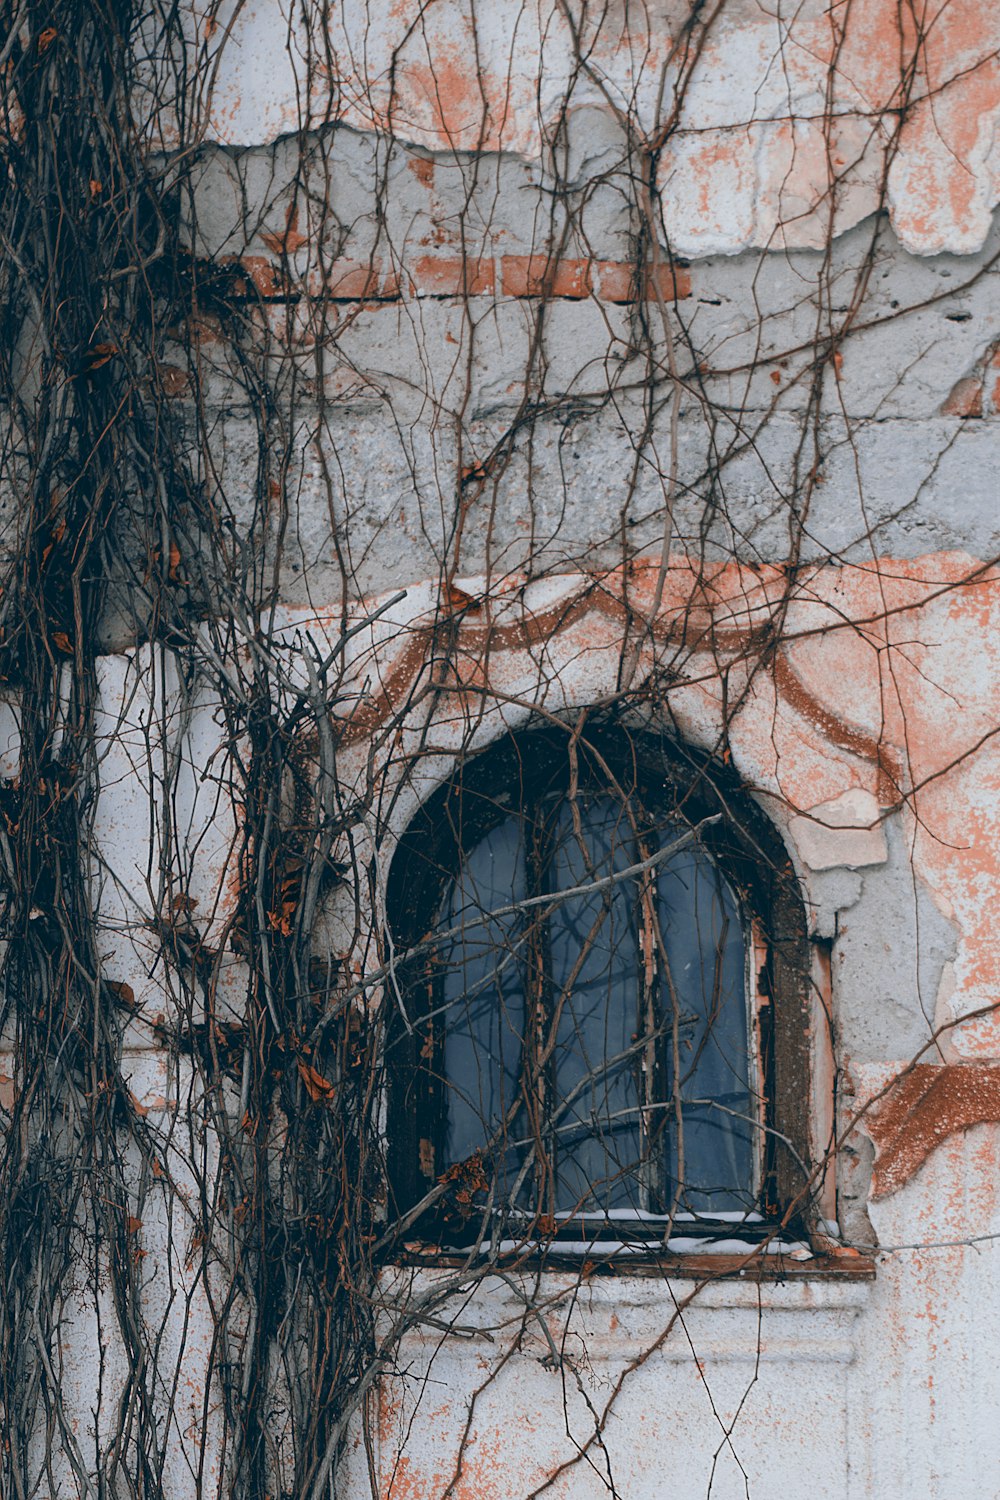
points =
(595, 1044)
(483, 991)
(709, 1160)
(593, 1004)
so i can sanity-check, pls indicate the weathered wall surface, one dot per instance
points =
(792, 123)
(891, 465)
(862, 1388)
(738, 426)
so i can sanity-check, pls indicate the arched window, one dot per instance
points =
(585, 1038)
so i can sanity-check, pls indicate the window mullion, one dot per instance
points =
(540, 1051)
(649, 1026)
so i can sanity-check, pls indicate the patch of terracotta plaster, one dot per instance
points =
(448, 96)
(725, 612)
(947, 136)
(290, 238)
(926, 1106)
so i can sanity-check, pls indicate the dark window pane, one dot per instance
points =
(483, 992)
(594, 972)
(711, 1157)
(607, 1139)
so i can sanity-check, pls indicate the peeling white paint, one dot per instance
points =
(846, 830)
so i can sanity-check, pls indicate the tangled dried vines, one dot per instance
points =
(169, 397)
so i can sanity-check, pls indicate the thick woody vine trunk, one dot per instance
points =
(115, 539)
(77, 225)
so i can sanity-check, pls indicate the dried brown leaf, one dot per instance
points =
(125, 992)
(319, 1089)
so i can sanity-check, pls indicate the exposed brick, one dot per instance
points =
(422, 168)
(611, 280)
(457, 276)
(538, 275)
(351, 281)
(616, 280)
(266, 277)
(204, 329)
(451, 276)
(965, 398)
(173, 380)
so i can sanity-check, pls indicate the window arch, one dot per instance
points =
(605, 998)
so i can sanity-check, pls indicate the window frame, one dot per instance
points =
(751, 858)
